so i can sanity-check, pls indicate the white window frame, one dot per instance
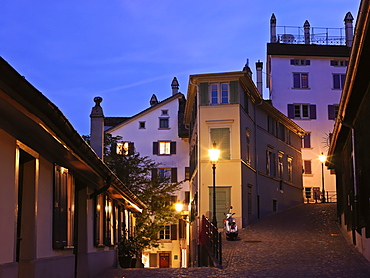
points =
(164, 147)
(301, 106)
(216, 93)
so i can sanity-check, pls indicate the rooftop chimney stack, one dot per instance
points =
(97, 128)
(306, 26)
(348, 29)
(175, 86)
(153, 100)
(273, 29)
(259, 66)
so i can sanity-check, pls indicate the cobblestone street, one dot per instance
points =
(304, 241)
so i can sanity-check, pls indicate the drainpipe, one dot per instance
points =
(256, 156)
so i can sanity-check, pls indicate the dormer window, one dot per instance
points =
(219, 93)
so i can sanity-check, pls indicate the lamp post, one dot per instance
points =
(214, 154)
(322, 159)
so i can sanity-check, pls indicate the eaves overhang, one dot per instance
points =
(31, 118)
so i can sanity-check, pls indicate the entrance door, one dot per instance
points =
(222, 203)
(164, 260)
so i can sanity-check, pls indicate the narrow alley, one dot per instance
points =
(304, 241)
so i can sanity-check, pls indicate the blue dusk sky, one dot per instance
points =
(127, 50)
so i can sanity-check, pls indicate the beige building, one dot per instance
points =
(62, 210)
(259, 171)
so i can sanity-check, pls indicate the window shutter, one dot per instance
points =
(331, 112)
(182, 228)
(336, 81)
(313, 111)
(60, 210)
(291, 111)
(173, 148)
(173, 231)
(187, 173)
(154, 173)
(96, 221)
(203, 91)
(131, 148)
(296, 80)
(307, 167)
(155, 147)
(173, 175)
(187, 198)
(307, 141)
(234, 91)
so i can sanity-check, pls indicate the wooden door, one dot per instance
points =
(164, 260)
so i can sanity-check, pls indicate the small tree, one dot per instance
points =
(135, 172)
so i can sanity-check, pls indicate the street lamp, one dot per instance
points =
(214, 154)
(322, 159)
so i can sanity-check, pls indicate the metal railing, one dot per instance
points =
(211, 241)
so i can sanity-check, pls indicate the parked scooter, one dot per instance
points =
(230, 227)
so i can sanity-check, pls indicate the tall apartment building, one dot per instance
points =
(305, 75)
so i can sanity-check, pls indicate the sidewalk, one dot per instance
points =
(304, 241)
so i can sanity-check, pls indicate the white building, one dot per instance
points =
(158, 132)
(305, 77)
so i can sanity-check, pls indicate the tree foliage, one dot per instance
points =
(135, 171)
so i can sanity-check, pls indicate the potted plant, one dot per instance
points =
(126, 250)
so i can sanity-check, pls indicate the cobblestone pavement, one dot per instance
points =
(304, 241)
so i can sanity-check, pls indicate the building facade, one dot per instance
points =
(62, 210)
(305, 76)
(349, 151)
(158, 133)
(259, 169)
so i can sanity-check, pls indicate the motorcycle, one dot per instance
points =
(230, 227)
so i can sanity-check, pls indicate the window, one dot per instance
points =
(222, 138)
(307, 167)
(163, 123)
(165, 233)
(219, 93)
(333, 111)
(63, 212)
(248, 146)
(164, 112)
(165, 174)
(141, 125)
(300, 80)
(290, 168)
(124, 148)
(280, 165)
(302, 111)
(164, 148)
(338, 63)
(272, 125)
(306, 141)
(298, 62)
(338, 81)
(270, 163)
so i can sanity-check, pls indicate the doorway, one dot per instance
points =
(164, 260)
(222, 203)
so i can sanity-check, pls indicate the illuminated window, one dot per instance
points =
(290, 168)
(124, 148)
(280, 165)
(164, 148)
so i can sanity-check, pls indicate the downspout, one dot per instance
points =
(256, 157)
(198, 258)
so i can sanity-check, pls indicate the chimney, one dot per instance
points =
(153, 100)
(175, 86)
(247, 69)
(348, 29)
(273, 28)
(259, 66)
(306, 26)
(97, 128)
